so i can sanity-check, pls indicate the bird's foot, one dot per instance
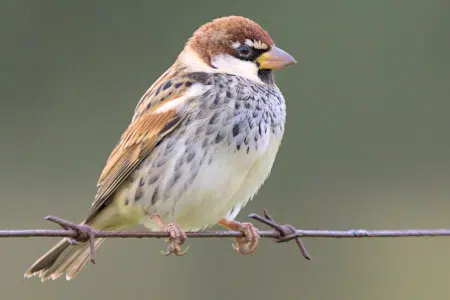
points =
(176, 238)
(248, 243)
(85, 233)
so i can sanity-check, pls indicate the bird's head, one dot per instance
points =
(235, 45)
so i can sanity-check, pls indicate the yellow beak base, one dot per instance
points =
(275, 59)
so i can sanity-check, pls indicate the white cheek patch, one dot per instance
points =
(236, 45)
(222, 64)
(226, 63)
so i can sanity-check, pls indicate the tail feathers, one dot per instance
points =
(63, 258)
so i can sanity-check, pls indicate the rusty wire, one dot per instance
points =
(280, 233)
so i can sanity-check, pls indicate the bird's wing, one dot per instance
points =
(145, 131)
(173, 77)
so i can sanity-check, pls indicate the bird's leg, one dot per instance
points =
(176, 238)
(247, 244)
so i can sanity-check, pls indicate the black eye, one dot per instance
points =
(244, 51)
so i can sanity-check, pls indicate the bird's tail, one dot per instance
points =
(69, 258)
(64, 257)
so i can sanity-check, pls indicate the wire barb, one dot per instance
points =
(83, 233)
(286, 232)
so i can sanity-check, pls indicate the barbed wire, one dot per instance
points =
(280, 233)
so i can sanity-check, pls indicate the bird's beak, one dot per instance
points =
(275, 59)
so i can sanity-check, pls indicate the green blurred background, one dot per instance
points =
(366, 146)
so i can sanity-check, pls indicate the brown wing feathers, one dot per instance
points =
(148, 127)
(136, 143)
(168, 86)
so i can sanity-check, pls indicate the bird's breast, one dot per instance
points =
(218, 157)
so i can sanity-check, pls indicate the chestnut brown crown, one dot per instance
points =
(218, 37)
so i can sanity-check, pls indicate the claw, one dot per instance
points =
(175, 250)
(176, 238)
(248, 243)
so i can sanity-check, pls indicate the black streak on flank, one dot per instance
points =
(155, 195)
(175, 178)
(139, 194)
(160, 162)
(217, 99)
(213, 119)
(177, 85)
(236, 129)
(179, 163)
(210, 130)
(205, 143)
(190, 156)
(219, 138)
(189, 120)
(152, 180)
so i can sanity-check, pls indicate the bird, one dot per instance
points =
(202, 141)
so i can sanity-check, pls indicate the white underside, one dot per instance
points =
(230, 181)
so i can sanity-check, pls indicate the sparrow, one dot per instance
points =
(201, 142)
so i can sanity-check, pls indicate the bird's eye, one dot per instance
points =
(244, 51)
